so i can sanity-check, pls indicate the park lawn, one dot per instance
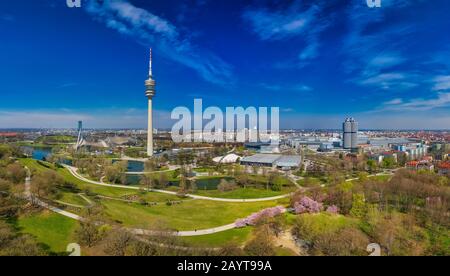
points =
(33, 165)
(72, 198)
(240, 193)
(51, 229)
(189, 215)
(237, 236)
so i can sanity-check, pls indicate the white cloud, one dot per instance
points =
(389, 81)
(286, 87)
(442, 100)
(296, 21)
(66, 118)
(441, 83)
(151, 30)
(394, 102)
(277, 25)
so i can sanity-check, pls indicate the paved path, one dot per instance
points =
(74, 172)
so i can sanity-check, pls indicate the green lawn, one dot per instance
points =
(51, 229)
(72, 198)
(189, 215)
(233, 236)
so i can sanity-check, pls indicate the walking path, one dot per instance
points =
(74, 172)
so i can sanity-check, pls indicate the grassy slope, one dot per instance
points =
(189, 215)
(233, 236)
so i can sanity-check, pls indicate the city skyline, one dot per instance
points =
(319, 61)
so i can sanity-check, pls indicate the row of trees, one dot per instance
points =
(12, 176)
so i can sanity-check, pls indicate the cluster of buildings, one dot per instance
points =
(284, 162)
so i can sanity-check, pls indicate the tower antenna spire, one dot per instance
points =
(150, 73)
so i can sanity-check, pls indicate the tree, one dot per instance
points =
(162, 183)
(183, 184)
(89, 231)
(359, 207)
(261, 244)
(45, 184)
(388, 162)
(150, 165)
(147, 182)
(117, 242)
(16, 173)
(193, 185)
(23, 245)
(344, 242)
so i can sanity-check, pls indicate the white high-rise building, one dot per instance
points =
(150, 92)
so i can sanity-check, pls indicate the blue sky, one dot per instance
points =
(319, 61)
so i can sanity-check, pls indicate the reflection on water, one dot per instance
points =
(134, 166)
(38, 153)
(42, 153)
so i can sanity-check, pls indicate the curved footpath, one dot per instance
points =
(74, 172)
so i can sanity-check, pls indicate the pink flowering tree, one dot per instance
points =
(333, 209)
(307, 205)
(254, 218)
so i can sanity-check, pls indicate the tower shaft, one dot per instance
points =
(150, 128)
(150, 91)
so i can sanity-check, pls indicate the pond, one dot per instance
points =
(42, 153)
(134, 166)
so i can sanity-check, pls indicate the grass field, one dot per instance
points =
(233, 236)
(53, 230)
(189, 215)
(72, 198)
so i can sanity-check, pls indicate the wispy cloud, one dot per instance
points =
(441, 83)
(388, 81)
(369, 50)
(296, 21)
(286, 87)
(152, 30)
(442, 100)
(94, 118)
(278, 25)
